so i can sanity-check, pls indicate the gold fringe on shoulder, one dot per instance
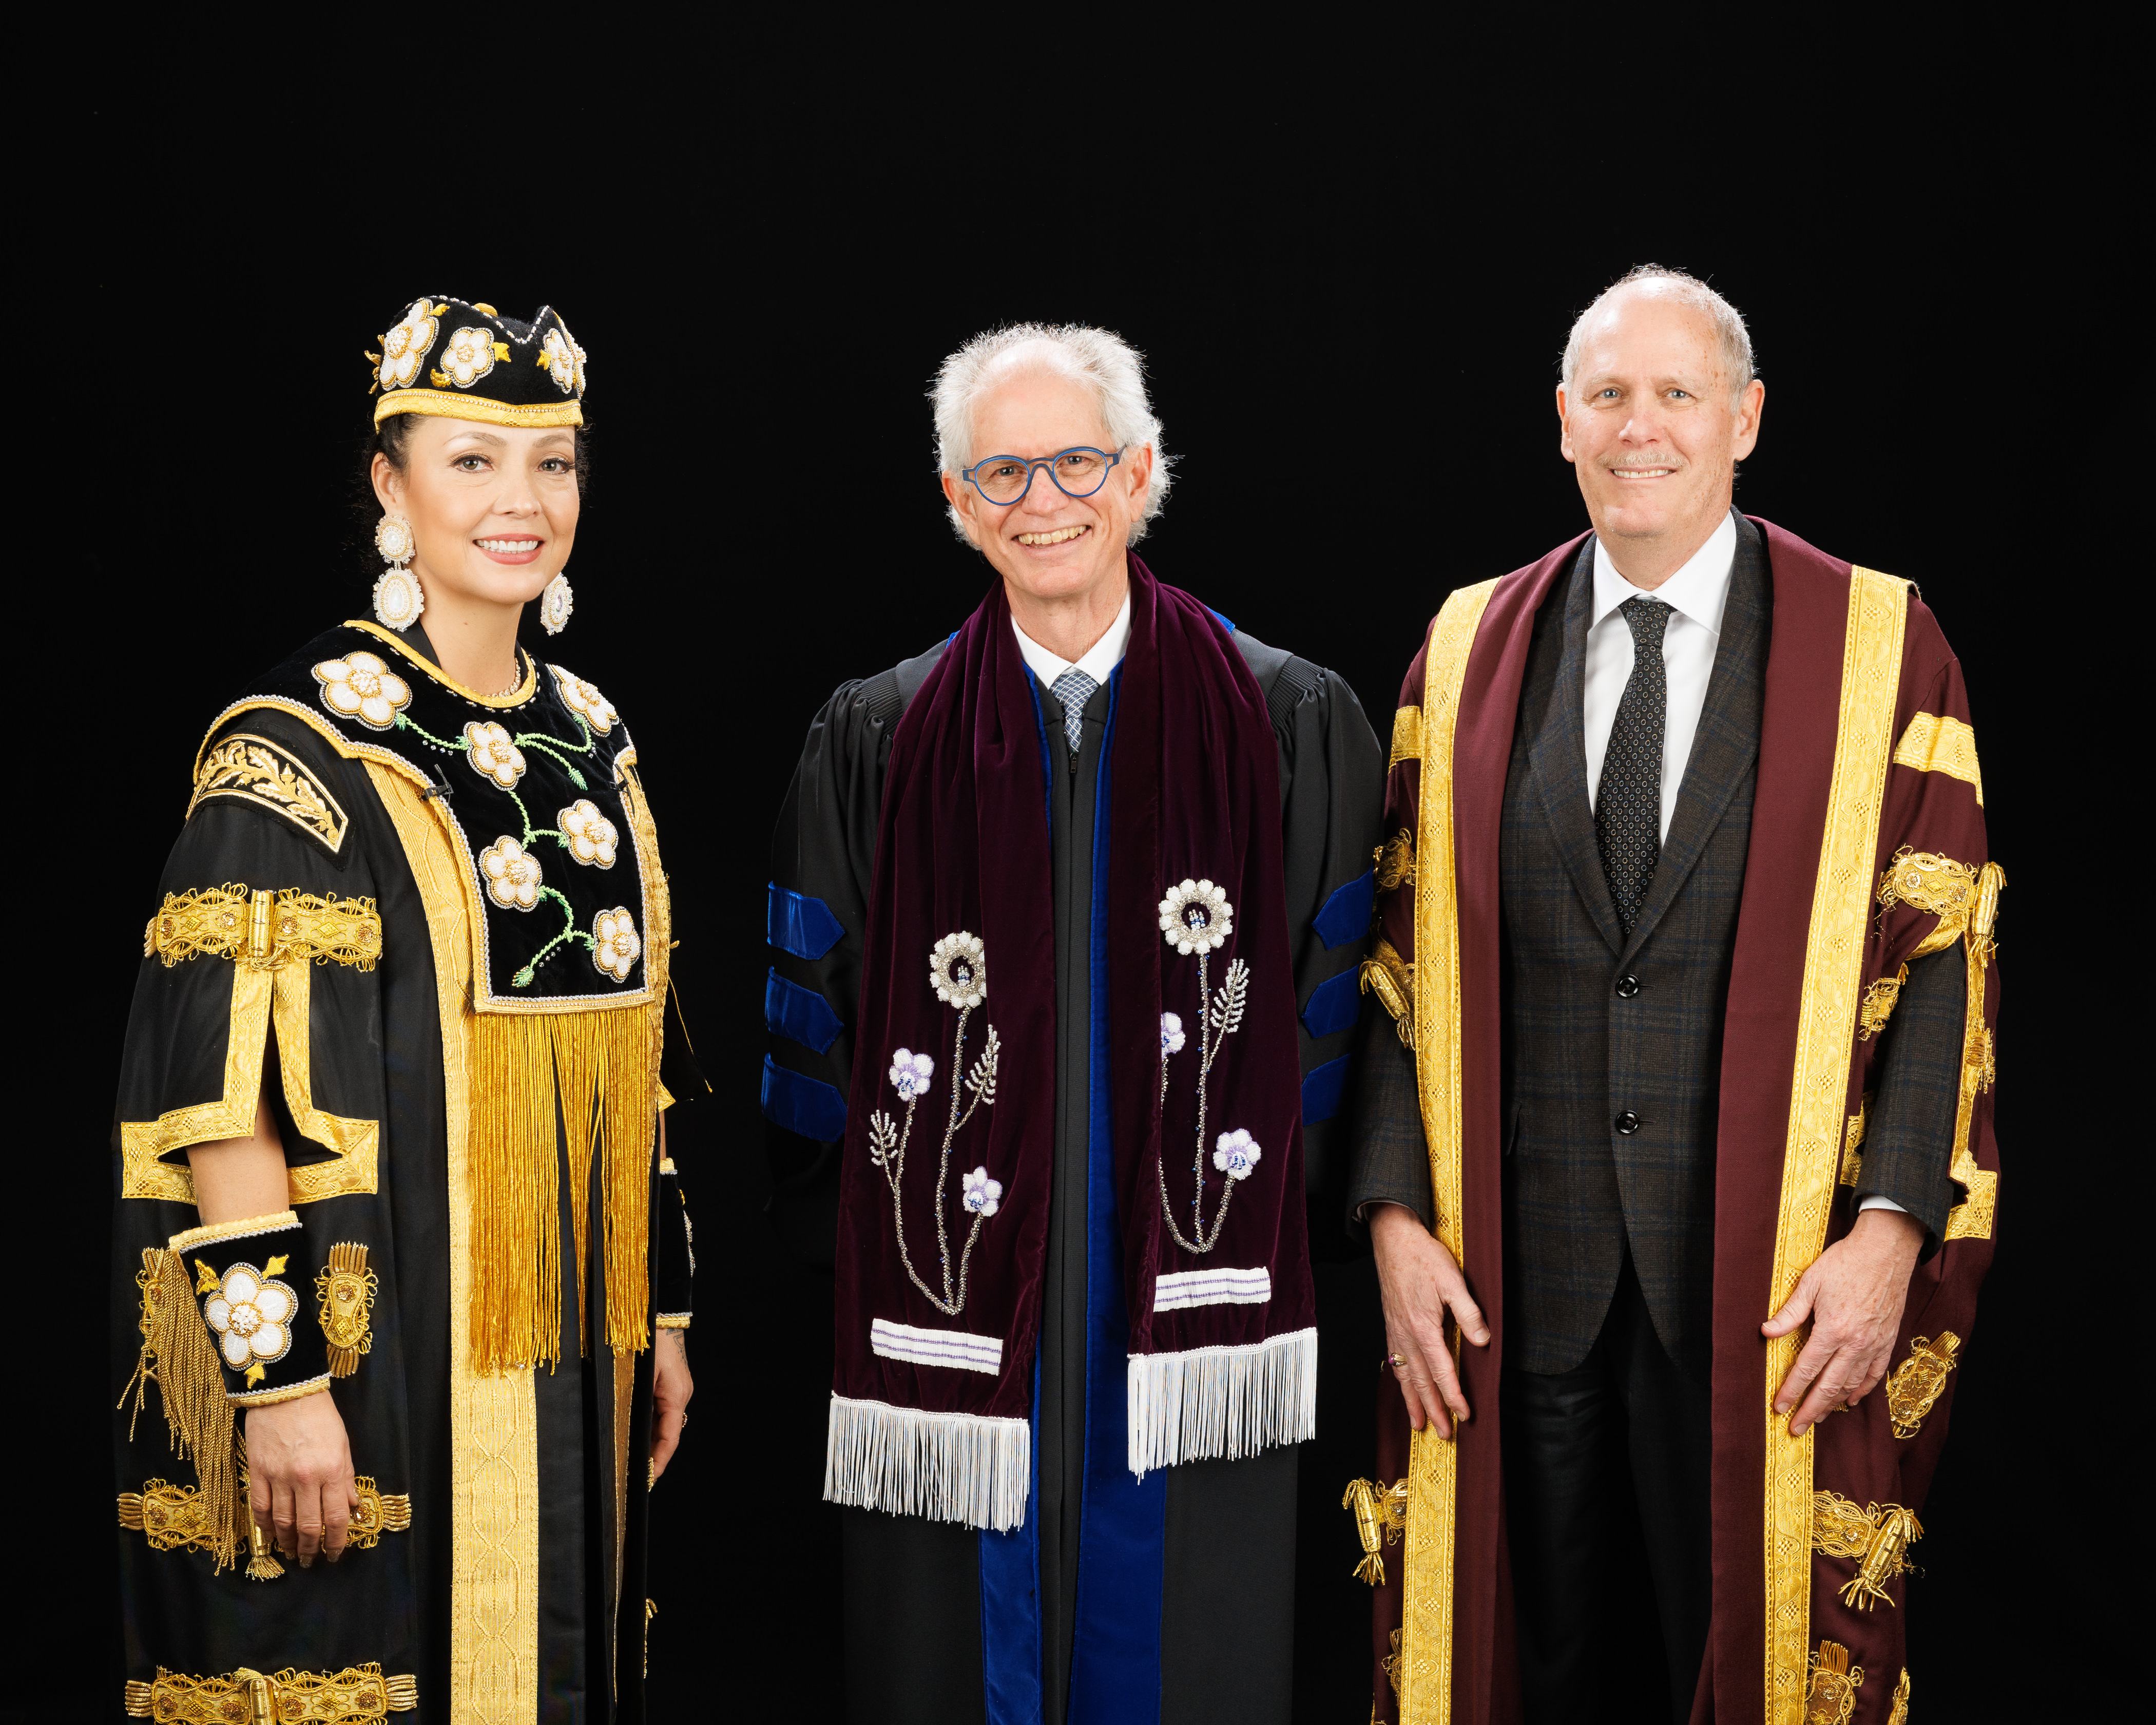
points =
(179, 1358)
(603, 1067)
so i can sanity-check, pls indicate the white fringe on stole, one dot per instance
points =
(949, 1467)
(1222, 1401)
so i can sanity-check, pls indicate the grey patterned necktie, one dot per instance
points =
(1074, 689)
(1628, 804)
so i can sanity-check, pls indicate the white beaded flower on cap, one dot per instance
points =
(360, 686)
(592, 836)
(564, 360)
(492, 752)
(407, 344)
(470, 355)
(981, 1195)
(252, 1317)
(958, 970)
(1197, 917)
(513, 876)
(1235, 1155)
(615, 945)
(909, 1073)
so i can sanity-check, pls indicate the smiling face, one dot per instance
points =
(493, 508)
(1046, 545)
(1651, 429)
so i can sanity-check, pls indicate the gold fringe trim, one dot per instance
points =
(179, 1358)
(603, 1067)
(248, 1697)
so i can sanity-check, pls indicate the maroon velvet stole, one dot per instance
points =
(1880, 1457)
(942, 1227)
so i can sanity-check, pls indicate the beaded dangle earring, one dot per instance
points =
(398, 600)
(556, 600)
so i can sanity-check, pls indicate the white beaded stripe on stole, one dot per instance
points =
(1222, 1401)
(968, 1468)
(937, 1347)
(1212, 1288)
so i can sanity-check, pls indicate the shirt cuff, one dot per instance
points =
(1876, 1203)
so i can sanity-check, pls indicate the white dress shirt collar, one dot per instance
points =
(1700, 589)
(1103, 656)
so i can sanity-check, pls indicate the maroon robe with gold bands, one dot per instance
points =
(1867, 849)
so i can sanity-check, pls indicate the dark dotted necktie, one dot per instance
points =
(1628, 804)
(1074, 689)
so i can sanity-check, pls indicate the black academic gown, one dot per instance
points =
(912, 1616)
(563, 1641)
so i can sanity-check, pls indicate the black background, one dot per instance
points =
(1351, 314)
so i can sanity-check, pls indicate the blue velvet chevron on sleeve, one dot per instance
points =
(1335, 1004)
(1347, 914)
(796, 923)
(806, 1105)
(1322, 1091)
(800, 1014)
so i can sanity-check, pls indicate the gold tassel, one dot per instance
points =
(178, 1357)
(577, 1064)
(630, 1080)
(1898, 1528)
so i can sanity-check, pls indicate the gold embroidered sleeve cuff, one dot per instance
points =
(356, 1693)
(268, 1353)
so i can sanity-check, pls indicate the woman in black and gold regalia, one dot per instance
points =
(403, 1265)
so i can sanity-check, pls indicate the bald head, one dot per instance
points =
(1674, 288)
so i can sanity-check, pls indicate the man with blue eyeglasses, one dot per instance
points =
(1066, 915)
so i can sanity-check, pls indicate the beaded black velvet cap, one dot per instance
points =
(463, 360)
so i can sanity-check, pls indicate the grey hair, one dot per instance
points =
(1100, 359)
(1733, 340)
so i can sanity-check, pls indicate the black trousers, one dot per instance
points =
(1606, 1507)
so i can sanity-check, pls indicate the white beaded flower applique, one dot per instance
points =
(564, 360)
(591, 836)
(362, 686)
(407, 344)
(958, 975)
(468, 356)
(514, 878)
(493, 751)
(585, 700)
(615, 943)
(251, 1316)
(1196, 920)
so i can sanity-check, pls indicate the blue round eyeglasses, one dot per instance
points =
(1002, 480)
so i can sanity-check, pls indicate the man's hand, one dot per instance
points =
(671, 1387)
(1419, 1283)
(299, 1476)
(1854, 1294)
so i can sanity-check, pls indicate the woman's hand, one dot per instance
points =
(671, 1387)
(1420, 1283)
(299, 1476)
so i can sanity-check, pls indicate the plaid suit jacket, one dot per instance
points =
(1579, 1194)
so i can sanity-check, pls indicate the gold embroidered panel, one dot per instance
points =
(1972, 1218)
(172, 1518)
(258, 772)
(263, 929)
(289, 1697)
(1936, 743)
(1916, 1385)
(1394, 861)
(1833, 978)
(1924, 880)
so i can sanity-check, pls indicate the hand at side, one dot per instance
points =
(299, 1476)
(671, 1387)
(1853, 1294)
(1420, 1283)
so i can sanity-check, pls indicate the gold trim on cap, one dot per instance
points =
(448, 405)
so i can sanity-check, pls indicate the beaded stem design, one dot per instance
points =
(1222, 1018)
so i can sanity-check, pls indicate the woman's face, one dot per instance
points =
(493, 508)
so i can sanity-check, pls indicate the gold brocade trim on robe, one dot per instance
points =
(1971, 1219)
(172, 1516)
(267, 776)
(1425, 1663)
(494, 1613)
(1407, 735)
(1833, 979)
(1934, 742)
(285, 1697)
(273, 940)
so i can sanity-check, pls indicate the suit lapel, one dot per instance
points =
(1727, 740)
(1559, 758)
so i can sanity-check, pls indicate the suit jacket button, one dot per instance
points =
(1628, 1122)
(1627, 987)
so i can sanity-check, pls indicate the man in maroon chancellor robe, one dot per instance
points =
(1686, 936)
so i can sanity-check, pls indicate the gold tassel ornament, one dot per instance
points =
(1381, 1517)
(178, 1357)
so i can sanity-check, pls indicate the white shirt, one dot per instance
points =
(1698, 592)
(1103, 656)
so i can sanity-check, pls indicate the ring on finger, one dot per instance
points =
(1399, 1364)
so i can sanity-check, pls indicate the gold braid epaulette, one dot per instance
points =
(263, 929)
(359, 1691)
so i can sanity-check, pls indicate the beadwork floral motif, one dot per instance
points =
(564, 360)
(1235, 1155)
(360, 686)
(251, 1316)
(982, 1195)
(494, 752)
(591, 836)
(958, 971)
(469, 356)
(513, 874)
(615, 945)
(1171, 1035)
(397, 599)
(406, 345)
(909, 1074)
(584, 700)
(1197, 917)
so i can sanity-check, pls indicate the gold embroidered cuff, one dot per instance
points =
(356, 1693)
(673, 1320)
(192, 1237)
(346, 1291)
(263, 929)
(172, 1518)
(277, 1393)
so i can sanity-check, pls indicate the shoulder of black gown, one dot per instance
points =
(1333, 788)
(823, 856)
